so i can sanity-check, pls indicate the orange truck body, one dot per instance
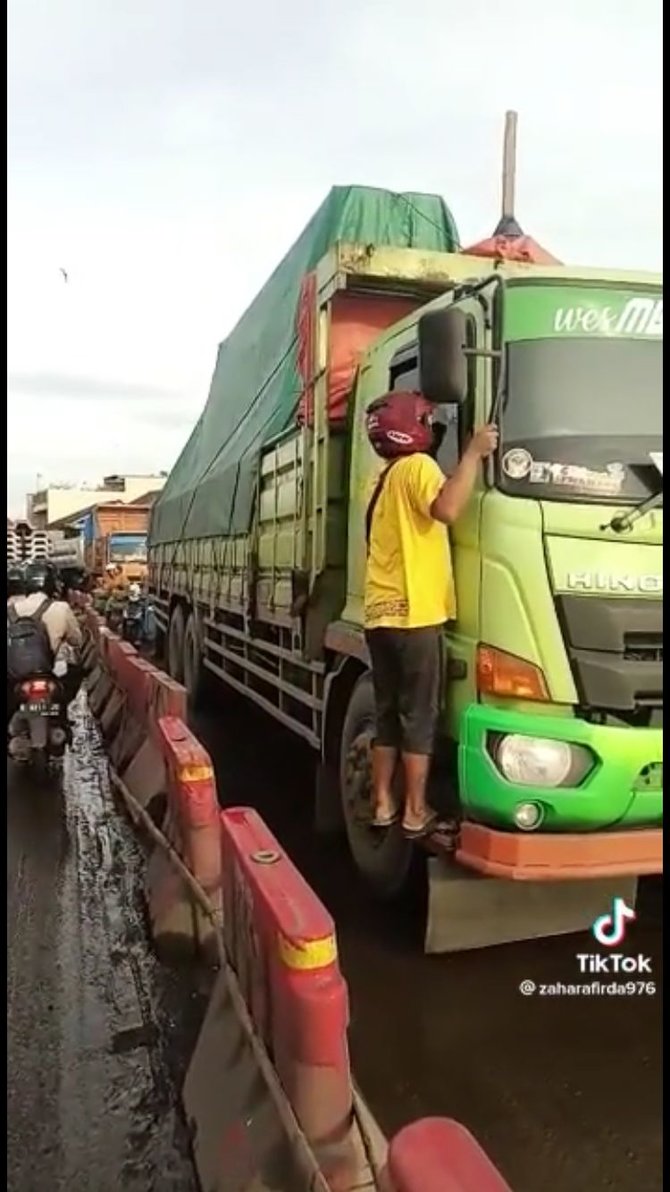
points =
(119, 535)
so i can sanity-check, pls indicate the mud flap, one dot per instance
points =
(467, 911)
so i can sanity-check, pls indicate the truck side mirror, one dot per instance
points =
(443, 373)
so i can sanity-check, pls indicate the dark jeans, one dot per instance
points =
(407, 678)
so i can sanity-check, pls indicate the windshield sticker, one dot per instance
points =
(518, 464)
(608, 483)
(539, 312)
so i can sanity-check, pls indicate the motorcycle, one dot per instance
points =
(132, 623)
(37, 733)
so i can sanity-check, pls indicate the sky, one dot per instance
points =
(166, 153)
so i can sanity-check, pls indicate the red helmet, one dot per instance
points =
(400, 423)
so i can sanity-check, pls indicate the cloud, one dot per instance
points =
(166, 154)
(87, 388)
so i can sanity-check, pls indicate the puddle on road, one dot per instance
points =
(125, 1026)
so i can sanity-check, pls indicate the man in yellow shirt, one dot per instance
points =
(409, 595)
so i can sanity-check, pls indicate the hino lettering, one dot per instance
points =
(589, 581)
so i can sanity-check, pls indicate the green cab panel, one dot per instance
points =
(517, 611)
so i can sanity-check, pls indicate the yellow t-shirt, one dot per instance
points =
(409, 582)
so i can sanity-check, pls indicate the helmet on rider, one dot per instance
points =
(16, 580)
(134, 592)
(40, 576)
(400, 423)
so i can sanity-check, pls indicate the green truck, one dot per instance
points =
(552, 746)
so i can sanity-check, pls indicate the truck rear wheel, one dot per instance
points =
(383, 857)
(175, 649)
(196, 675)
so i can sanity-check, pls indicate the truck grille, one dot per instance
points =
(615, 647)
(643, 647)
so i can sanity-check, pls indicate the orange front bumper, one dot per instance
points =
(527, 857)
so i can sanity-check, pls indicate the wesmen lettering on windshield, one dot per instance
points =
(410, 595)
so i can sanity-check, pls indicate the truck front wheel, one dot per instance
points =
(176, 644)
(382, 856)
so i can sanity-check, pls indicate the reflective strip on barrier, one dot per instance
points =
(195, 773)
(305, 955)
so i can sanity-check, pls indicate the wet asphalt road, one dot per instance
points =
(94, 1050)
(564, 1092)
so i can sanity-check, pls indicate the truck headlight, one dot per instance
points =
(540, 761)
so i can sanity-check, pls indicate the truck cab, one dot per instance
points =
(553, 697)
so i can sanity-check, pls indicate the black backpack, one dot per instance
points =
(29, 650)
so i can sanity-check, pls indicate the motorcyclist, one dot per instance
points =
(65, 637)
(114, 580)
(133, 627)
(16, 582)
(115, 585)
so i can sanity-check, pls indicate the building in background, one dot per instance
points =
(58, 502)
(24, 544)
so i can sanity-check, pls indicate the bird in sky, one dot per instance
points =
(64, 272)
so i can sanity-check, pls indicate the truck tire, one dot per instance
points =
(383, 857)
(175, 650)
(196, 675)
(160, 648)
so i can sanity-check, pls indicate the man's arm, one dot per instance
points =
(456, 492)
(72, 635)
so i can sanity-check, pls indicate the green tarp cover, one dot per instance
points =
(255, 389)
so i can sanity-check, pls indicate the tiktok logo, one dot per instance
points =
(609, 930)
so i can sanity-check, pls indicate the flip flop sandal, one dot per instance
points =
(431, 825)
(387, 821)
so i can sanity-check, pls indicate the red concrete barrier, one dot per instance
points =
(145, 773)
(107, 698)
(193, 789)
(192, 826)
(104, 637)
(168, 698)
(439, 1155)
(281, 942)
(99, 681)
(118, 652)
(279, 938)
(94, 621)
(134, 676)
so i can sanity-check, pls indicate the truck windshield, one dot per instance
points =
(581, 417)
(128, 548)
